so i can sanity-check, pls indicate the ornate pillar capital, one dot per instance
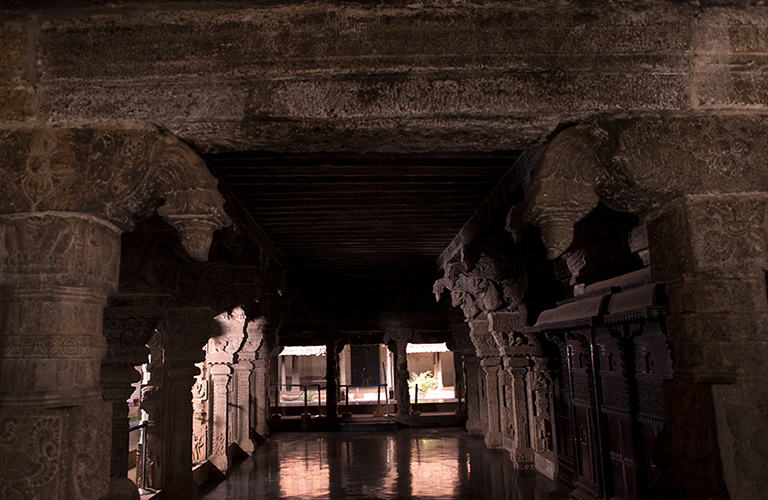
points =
(115, 173)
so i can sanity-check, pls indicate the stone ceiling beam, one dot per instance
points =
(323, 77)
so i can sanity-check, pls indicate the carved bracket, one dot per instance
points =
(638, 164)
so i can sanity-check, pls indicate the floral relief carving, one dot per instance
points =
(34, 444)
(89, 469)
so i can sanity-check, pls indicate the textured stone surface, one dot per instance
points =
(332, 77)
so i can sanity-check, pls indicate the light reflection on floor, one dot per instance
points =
(405, 464)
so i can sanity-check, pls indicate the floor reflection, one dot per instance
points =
(404, 464)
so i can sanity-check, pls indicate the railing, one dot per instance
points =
(378, 399)
(143, 490)
(304, 395)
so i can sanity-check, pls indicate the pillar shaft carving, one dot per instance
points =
(713, 267)
(175, 349)
(519, 350)
(474, 420)
(491, 368)
(55, 271)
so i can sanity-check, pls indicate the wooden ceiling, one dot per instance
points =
(361, 214)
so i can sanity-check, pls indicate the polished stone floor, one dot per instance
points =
(405, 464)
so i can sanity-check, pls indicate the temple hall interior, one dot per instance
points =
(335, 249)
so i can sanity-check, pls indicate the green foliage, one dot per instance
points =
(425, 380)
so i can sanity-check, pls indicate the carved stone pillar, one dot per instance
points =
(261, 379)
(521, 451)
(245, 416)
(66, 195)
(474, 420)
(201, 411)
(129, 321)
(55, 273)
(261, 386)
(543, 424)
(488, 352)
(152, 403)
(220, 355)
(711, 252)
(116, 379)
(516, 348)
(491, 367)
(188, 330)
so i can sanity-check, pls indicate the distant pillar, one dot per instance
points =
(402, 376)
(331, 380)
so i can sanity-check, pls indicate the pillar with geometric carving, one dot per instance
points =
(711, 253)
(55, 272)
(517, 349)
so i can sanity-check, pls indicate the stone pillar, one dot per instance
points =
(116, 380)
(129, 321)
(474, 420)
(401, 378)
(491, 366)
(55, 273)
(542, 425)
(517, 349)
(66, 195)
(711, 253)
(488, 352)
(521, 451)
(220, 355)
(245, 416)
(261, 397)
(261, 384)
(332, 350)
(152, 403)
(188, 330)
(201, 411)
